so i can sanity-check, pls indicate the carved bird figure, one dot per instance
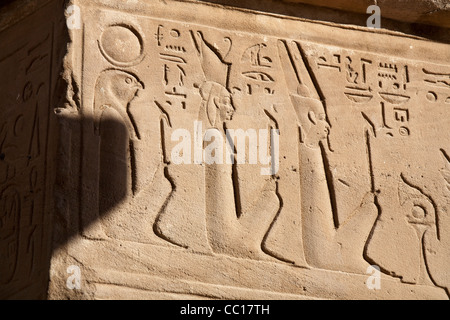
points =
(446, 172)
(116, 89)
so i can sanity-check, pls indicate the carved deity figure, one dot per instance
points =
(329, 244)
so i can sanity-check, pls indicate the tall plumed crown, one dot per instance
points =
(214, 67)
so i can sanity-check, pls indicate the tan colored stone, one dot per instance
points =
(346, 165)
(434, 12)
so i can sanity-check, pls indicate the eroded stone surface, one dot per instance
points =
(30, 59)
(350, 167)
(434, 12)
(361, 177)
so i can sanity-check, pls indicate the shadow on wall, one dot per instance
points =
(31, 62)
(32, 224)
(308, 11)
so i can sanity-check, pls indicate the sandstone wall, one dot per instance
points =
(120, 177)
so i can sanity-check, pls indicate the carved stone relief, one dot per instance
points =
(26, 153)
(204, 158)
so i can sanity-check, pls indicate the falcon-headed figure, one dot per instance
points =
(116, 89)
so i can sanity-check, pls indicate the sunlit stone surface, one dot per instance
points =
(210, 149)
